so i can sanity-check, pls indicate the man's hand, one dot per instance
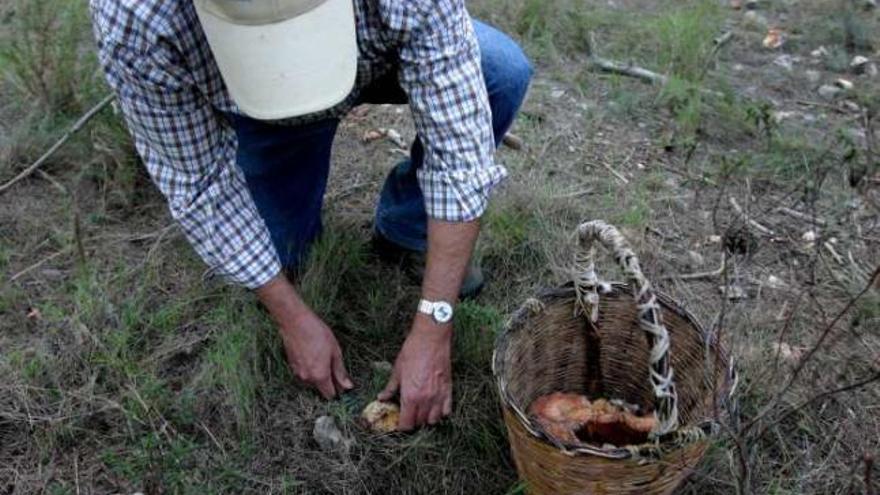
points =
(423, 369)
(312, 351)
(423, 374)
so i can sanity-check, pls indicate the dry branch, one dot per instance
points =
(702, 275)
(79, 124)
(754, 224)
(802, 216)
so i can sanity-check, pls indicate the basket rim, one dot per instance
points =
(652, 449)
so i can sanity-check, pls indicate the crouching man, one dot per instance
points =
(233, 106)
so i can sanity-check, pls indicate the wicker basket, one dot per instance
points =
(590, 337)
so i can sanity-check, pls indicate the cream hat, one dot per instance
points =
(282, 58)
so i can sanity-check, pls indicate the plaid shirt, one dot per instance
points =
(158, 62)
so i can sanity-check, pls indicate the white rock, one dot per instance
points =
(810, 236)
(714, 239)
(775, 282)
(733, 292)
(819, 52)
(754, 20)
(828, 91)
(382, 366)
(812, 75)
(844, 84)
(781, 115)
(395, 137)
(784, 61)
(851, 106)
(858, 64)
(695, 259)
(328, 436)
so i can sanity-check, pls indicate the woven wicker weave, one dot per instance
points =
(617, 341)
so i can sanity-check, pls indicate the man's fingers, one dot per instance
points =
(447, 405)
(436, 414)
(340, 375)
(390, 388)
(408, 416)
(326, 388)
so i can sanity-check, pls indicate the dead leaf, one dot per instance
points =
(775, 38)
(787, 352)
(373, 135)
(34, 314)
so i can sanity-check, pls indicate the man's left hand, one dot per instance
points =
(423, 374)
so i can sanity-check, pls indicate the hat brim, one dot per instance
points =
(286, 69)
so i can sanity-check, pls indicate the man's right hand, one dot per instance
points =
(312, 351)
(314, 354)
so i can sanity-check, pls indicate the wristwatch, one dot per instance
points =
(441, 311)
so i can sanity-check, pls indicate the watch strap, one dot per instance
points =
(426, 307)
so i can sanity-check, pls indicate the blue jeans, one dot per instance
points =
(286, 168)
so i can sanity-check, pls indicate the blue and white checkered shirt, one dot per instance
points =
(158, 62)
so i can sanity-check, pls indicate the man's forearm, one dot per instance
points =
(450, 246)
(281, 300)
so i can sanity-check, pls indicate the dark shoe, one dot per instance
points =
(414, 264)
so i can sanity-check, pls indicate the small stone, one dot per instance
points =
(557, 93)
(775, 282)
(858, 64)
(784, 61)
(754, 20)
(819, 52)
(328, 436)
(810, 236)
(695, 259)
(851, 106)
(828, 91)
(733, 292)
(812, 75)
(395, 137)
(714, 239)
(780, 115)
(382, 366)
(844, 84)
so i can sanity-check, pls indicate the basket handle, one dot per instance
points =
(586, 286)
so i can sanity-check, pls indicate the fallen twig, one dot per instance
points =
(615, 173)
(67, 135)
(722, 40)
(837, 257)
(802, 216)
(755, 225)
(701, 275)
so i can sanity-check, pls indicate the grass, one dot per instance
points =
(135, 374)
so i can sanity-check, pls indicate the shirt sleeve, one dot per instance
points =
(189, 150)
(442, 76)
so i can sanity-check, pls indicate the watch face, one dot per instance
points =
(442, 312)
